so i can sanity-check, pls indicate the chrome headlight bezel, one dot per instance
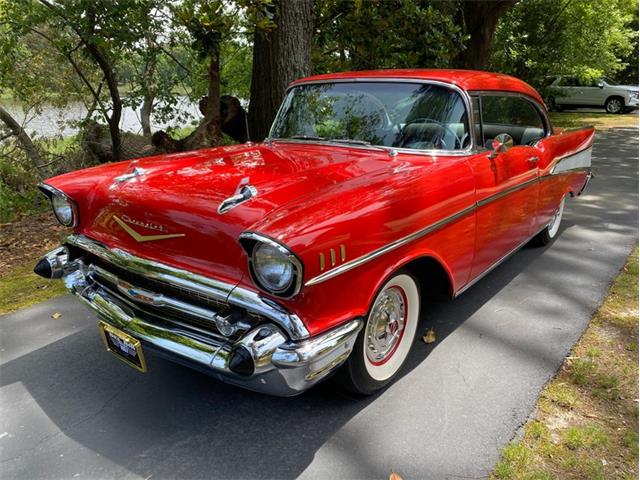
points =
(252, 243)
(59, 197)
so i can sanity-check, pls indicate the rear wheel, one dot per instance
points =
(551, 230)
(384, 342)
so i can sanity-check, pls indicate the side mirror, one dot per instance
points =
(600, 84)
(501, 144)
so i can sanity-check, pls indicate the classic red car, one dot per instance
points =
(274, 265)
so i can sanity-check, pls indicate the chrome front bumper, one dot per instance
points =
(275, 363)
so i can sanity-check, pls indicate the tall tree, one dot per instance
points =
(280, 55)
(480, 19)
(357, 35)
(537, 38)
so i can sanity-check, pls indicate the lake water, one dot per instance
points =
(53, 121)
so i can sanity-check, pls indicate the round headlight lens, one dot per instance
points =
(63, 210)
(272, 268)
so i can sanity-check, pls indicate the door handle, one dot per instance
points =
(533, 160)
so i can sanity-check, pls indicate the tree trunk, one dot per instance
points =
(279, 56)
(145, 115)
(480, 19)
(209, 132)
(25, 141)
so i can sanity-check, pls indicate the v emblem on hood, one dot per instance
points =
(144, 238)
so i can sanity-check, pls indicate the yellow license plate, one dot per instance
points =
(123, 346)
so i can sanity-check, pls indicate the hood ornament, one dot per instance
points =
(136, 172)
(144, 238)
(244, 191)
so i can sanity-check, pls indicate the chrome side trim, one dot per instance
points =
(345, 267)
(495, 265)
(508, 191)
(212, 288)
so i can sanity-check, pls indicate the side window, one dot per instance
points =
(513, 115)
(568, 82)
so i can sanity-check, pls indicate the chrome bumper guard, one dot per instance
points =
(264, 358)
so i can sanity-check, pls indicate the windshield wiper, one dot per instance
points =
(306, 137)
(350, 141)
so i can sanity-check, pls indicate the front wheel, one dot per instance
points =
(552, 229)
(614, 105)
(385, 340)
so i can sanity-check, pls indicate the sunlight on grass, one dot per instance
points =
(21, 288)
(598, 120)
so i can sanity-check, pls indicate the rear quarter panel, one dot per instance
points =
(565, 163)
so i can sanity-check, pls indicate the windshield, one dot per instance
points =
(401, 115)
(609, 81)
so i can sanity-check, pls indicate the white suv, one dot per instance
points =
(570, 91)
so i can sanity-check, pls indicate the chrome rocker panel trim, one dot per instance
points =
(210, 287)
(282, 367)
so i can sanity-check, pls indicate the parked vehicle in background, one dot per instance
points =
(273, 265)
(567, 91)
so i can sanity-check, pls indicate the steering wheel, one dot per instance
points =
(443, 127)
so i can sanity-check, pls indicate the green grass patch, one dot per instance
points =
(21, 288)
(598, 120)
(585, 426)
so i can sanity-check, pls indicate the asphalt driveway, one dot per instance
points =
(70, 410)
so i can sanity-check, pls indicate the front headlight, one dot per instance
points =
(273, 267)
(63, 210)
(63, 207)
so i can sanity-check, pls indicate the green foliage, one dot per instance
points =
(358, 35)
(587, 38)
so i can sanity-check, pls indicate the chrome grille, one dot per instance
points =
(157, 300)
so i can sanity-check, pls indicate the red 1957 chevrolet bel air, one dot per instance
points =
(274, 265)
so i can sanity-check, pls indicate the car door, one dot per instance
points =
(591, 93)
(507, 182)
(571, 91)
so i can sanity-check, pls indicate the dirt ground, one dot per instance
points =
(27, 239)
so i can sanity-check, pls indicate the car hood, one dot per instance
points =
(166, 207)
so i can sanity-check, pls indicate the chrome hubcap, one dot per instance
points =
(614, 105)
(386, 325)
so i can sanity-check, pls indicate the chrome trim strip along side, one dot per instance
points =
(581, 160)
(414, 236)
(209, 287)
(345, 267)
(508, 191)
(297, 264)
(419, 81)
(496, 264)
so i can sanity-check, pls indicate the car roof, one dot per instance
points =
(470, 80)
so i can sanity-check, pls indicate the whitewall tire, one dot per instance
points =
(386, 338)
(551, 230)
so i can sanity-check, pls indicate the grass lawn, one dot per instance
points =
(20, 288)
(598, 120)
(586, 425)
